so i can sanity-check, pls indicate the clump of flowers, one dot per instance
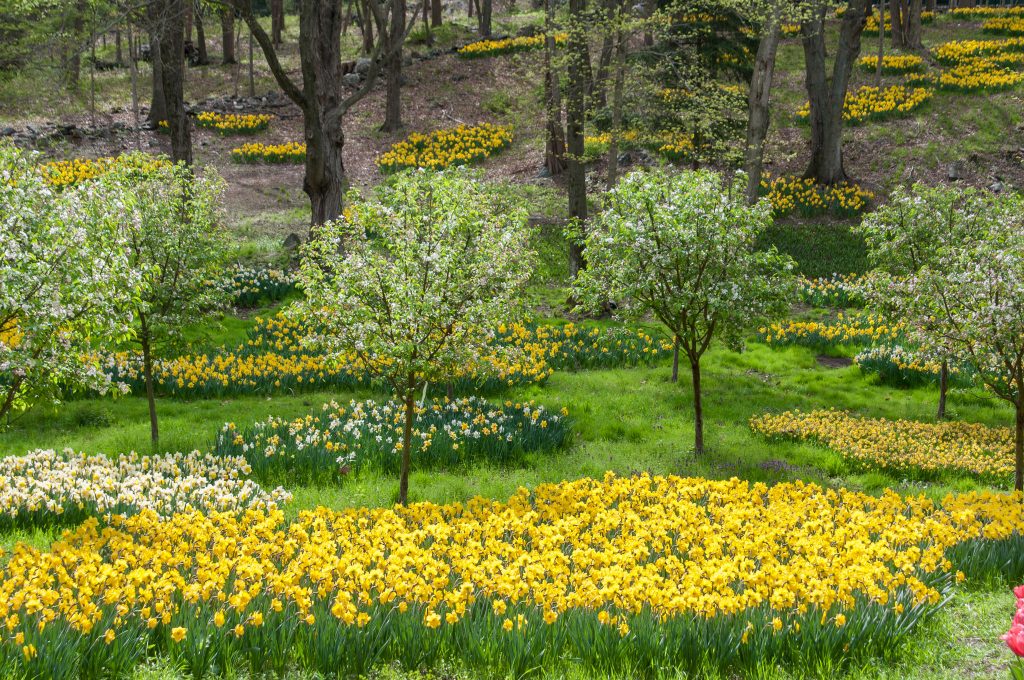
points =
(289, 152)
(1014, 638)
(983, 12)
(872, 103)
(859, 329)
(838, 290)
(917, 450)
(572, 347)
(234, 123)
(893, 64)
(60, 174)
(957, 51)
(342, 440)
(444, 148)
(903, 366)
(493, 48)
(792, 194)
(977, 75)
(250, 286)
(660, 571)
(43, 488)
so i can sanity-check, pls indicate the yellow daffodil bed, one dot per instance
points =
(626, 574)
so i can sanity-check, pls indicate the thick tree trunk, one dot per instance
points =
(698, 409)
(393, 68)
(483, 21)
(410, 415)
(436, 13)
(905, 18)
(759, 107)
(203, 55)
(943, 389)
(579, 60)
(227, 32)
(172, 53)
(325, 170)
(158, 102)
(827, 95)
(147, 373)
(276, 21)
(554, 150)
(617, 104)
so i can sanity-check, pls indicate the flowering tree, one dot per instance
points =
(174, 243)
(680, 247)
(917, 228)
(423, 278)
(65, 284)
(972, 301)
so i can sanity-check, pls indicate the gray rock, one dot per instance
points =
(956, 171)
(352, 79)
(528, 31)
(7, 132)
(363, 65)
(997, 187)
(292, 241)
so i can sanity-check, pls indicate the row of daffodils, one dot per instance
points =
(909, 448)
(327, 446)
(630, 575)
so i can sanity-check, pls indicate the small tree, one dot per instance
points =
(971, 299)
(174, 242)
(915, 229)
(680, 247)
(57, 306)
(425, 277)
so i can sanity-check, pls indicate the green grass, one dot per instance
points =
(819, 248)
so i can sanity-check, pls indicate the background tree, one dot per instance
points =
(906, 23)
(681, 247)
(578, 72)
(227, 35)
(428, 273)
(554, 144)
(914, 230)
(321, 96)
(175, 243)
(972, 300)
(171, 27)
(827, 94)
(56, 305)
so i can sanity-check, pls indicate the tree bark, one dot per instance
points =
(554, 149)
(203, 55)
(73, 60)
(227, 32)
(276, 21)
(147, 373)
(943, 388)
(393, 68)
(759, 107)
(410, 415)
(158, 103)
(828, 95)
(617, 104)
(483, 21)
(118, 53)
(1018, 448)
(576, 121)
(436, 13)
(172, 52)
(698, 409)
(675, 360)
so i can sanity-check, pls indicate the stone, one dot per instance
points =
(956, 171)
(7, 132)
(363, 65)
(996, 187)
(528, 31)
(352, 79)
(292, 241)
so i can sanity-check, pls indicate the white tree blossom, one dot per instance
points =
(416, 283)
(66, 287)
(681, 247)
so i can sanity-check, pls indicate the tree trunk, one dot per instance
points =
(698, 409)
(483, 21)
(252, 73)
(172, 52)
(675, 360)
(1018, 448)
(276, 21)
(227, 32)
(133, 71)
(158, 104)
(118, 54)
(367, 25)
(759, 107)
(895, 22)
(828, 95)
(436, 13)
(203, 55)
(943, 388)
(599, 85)
(410, 415)
(73, 61)
(881, 44)
(393, 68)
(554, 149)
(147, 373)
(617, 96)
(576, 119)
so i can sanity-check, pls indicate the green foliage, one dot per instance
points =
(820, 249)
